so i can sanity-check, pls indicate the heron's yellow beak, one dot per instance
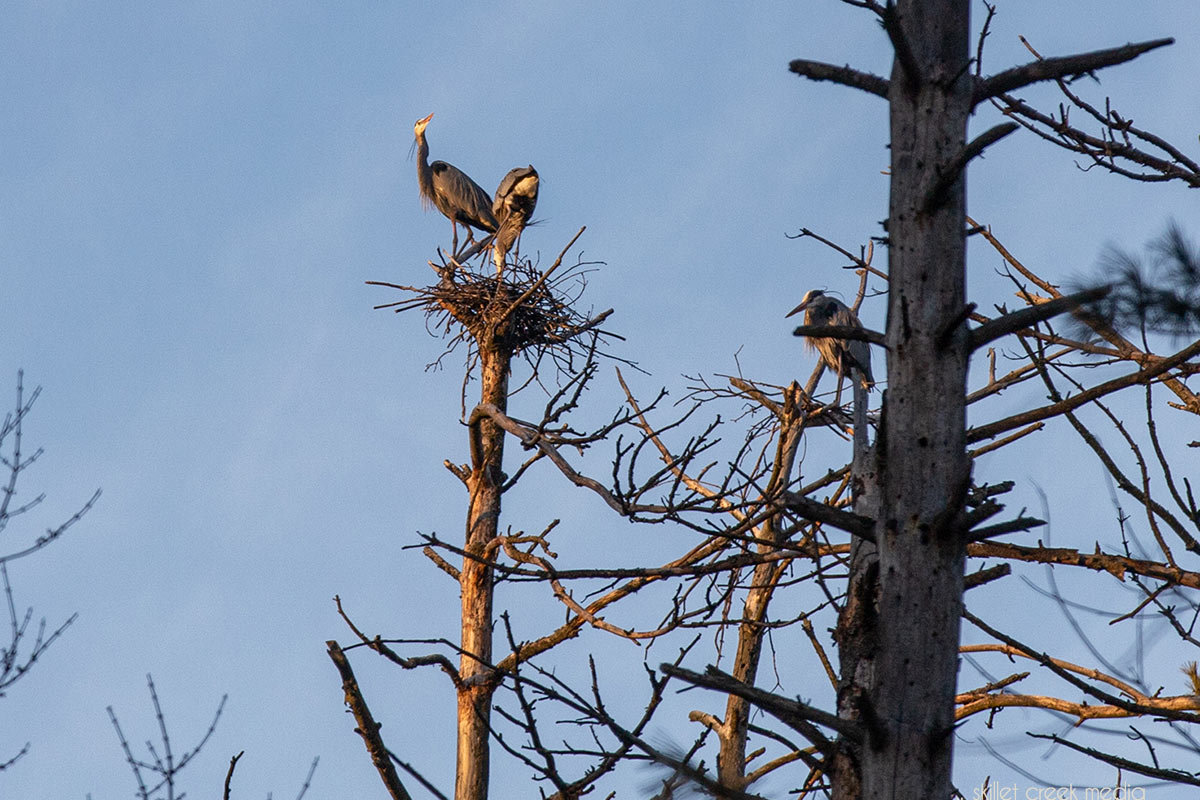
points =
(797, 309)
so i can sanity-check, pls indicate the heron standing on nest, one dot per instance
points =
(846, 357)
(516, 197)
(451, 191)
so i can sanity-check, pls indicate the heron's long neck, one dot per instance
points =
(424, 174)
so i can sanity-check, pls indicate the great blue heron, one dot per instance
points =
(844, 356)
(515, 200)
(451, 191)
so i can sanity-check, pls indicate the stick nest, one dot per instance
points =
(525, 311)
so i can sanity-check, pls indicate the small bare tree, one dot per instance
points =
(25, 645)
(157, 773)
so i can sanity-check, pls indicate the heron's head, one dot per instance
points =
(419, 125)
(808, 298)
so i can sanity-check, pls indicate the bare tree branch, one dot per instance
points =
(1173, 775)
(991, 429)
(1017, 320)
(1048, 69)
(953, 170)
(367, 728)
(793, 713)
(229, 775)
(847, 76)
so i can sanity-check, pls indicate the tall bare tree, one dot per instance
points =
(917, 479)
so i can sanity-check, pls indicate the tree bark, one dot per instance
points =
(857, 632)
(476, 577)
(923, 468)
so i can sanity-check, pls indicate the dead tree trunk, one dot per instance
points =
(522, 313)
(921, 469)
(478, 683)
(752, 628)
(858, 622)
(731, 758)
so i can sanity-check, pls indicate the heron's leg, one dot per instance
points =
(516, 246)
(454, 244)
(860, 417)
(837, 398)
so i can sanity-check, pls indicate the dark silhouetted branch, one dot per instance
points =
(793, 713)
(367, 728)
(1017, 320)
(937, 194)
(841, 332)
(1048, 69)
(229, 775)
(815, 510)
(847, 76)
(986, 575)
(999, 529)
(1172, 775)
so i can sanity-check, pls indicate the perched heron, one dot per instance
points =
(515, 200)
(451, 191)
(844, 356)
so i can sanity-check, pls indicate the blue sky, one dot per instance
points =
(191, 198)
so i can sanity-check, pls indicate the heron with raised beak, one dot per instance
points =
(451, 191)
